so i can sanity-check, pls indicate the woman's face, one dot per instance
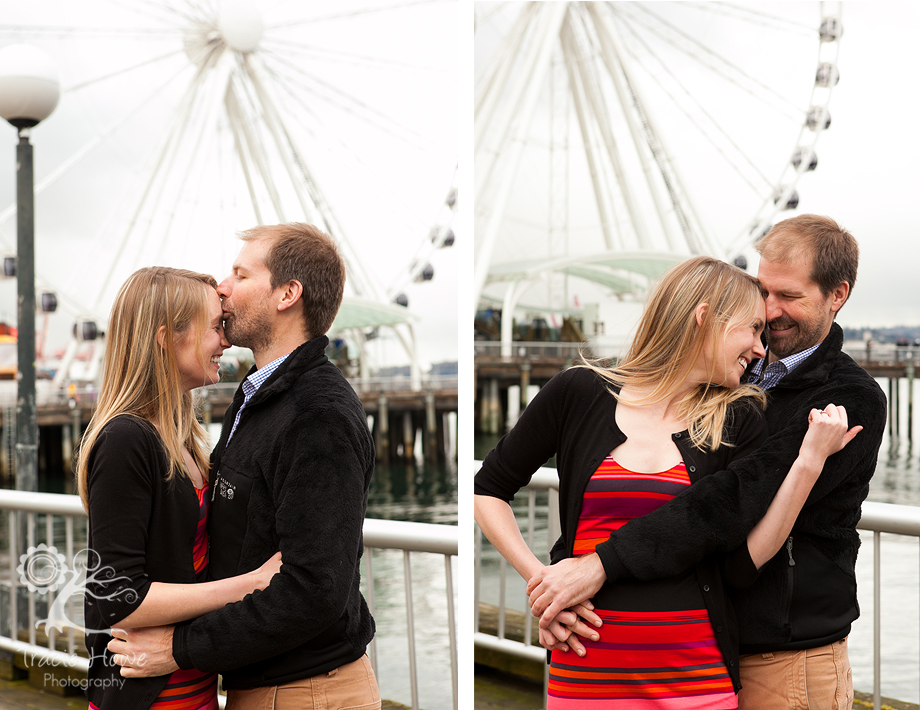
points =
(199, 364)
(735, 350)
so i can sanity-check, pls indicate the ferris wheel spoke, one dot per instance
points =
(325, 53)
(758, 18)
(91, 82)
(719, 65)
(33, 32)
(678, 104)
(164, 10)
(356, 13)
(349, 103)
(349, 152)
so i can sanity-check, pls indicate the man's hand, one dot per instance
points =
(142, 653)
(563, 585)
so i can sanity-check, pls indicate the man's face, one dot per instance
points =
(247, 298)
(798, 314)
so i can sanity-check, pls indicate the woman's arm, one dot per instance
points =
(498, 524)
(827, 434)
(171, 603)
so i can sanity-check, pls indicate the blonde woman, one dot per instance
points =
(627, 440)
(142, 474)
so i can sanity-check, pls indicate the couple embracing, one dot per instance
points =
(244, 560)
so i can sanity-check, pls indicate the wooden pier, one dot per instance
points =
(503, 384)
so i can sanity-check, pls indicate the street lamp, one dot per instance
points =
(29, 92)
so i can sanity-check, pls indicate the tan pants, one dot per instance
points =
(816, 679)
(349, 687)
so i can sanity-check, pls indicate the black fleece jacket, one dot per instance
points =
(574, 418)
(294, 478)
(789, 606)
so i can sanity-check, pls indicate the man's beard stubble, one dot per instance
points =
(249, 330)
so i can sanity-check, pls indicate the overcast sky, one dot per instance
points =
(866, 177)
(370, 96)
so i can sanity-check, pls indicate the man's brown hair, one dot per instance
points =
(304, 253)
(833, 251)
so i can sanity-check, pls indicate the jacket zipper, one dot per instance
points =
(790, 575)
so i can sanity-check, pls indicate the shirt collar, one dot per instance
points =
(788, 363)
(252, 383)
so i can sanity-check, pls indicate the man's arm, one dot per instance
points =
(716, 514)
(320, 502)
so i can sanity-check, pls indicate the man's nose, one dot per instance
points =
(774, 310)
(224, 288)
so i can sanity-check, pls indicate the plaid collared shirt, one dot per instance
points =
(776, 371)
(251, 385)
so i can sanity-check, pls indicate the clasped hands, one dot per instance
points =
(560, 595)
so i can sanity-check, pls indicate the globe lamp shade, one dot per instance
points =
(29, 87)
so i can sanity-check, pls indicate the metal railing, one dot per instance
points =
(493, 348)
(40, 571)
(877, 518)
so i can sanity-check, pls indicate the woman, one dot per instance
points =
(142, 474)
(626, 441)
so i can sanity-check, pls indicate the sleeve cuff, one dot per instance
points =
(738, 569)
(613, 566)
(180, 646)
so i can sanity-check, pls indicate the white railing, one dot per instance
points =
(877, 518)
(66, 511)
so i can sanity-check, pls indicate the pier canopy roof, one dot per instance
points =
(616, 270)
(364, 313)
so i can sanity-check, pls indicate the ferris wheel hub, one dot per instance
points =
(240, 24)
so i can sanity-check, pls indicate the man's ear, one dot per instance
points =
(161, 336)
(292, 293)
(701, 313)
(839, 295)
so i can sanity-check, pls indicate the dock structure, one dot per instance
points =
(504, 385)
(401, 420)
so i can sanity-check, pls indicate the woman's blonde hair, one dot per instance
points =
(669, 342)
(141, 377)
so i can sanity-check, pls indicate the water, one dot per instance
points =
(413, 492)
(424, 494)
(897, 481)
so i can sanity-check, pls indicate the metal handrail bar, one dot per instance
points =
(384, 534)
(877, 518)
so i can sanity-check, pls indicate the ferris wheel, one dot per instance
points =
(615, 139)
(184, 122)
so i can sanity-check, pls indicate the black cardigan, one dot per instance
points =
(812, 602)
(294, 478)
(573, 418)
(141, 530)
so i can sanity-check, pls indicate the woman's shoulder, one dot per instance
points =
(581, 377)
(129, 424)
(126, 431)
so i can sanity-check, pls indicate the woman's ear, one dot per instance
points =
(161, 336)
(701, 313)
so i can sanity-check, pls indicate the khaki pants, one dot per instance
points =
(816, 679)
(349, 687)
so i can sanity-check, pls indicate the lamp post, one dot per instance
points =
(29, 92)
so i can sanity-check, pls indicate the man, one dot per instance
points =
(291, 473)
(795, 616)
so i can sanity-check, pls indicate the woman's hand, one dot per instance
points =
(563, 632)
(827, 433)
(263, 576)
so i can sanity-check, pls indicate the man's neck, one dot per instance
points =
(285, 340)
